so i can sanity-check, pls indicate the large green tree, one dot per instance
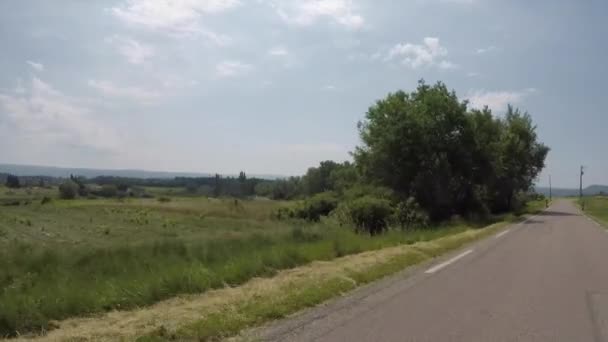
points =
(426, 145)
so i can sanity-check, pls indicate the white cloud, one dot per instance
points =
(473, 74)
(309, 12)
(497, 100)
(19, 89)
(176, 17)
(480, 51)
(232, 68)
(430, 53)
(36, 66)
(329, 87)
(176, 82)
(447, 65)
(278, 51)
(44, 115)
(134, 51)
(140, 95)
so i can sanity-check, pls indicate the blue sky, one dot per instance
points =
(275, 86)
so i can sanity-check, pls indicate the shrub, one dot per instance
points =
(408, 214)
(318, 205)
(108, 190)
(68, 190)
(367, 213)
(283, 213)
(45, 200)
(164, 199)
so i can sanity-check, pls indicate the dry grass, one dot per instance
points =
(223, 312)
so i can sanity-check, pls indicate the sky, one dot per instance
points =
(276, 86)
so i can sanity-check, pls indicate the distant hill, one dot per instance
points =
(62, 172)
(561, 192)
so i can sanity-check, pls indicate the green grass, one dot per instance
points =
(74, 258)
(299, 295)
(597, 207)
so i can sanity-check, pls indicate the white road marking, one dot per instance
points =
(447, 263)
(502, 234)
(529, 219)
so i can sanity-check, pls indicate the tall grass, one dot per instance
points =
(42, 284)
(597, 207)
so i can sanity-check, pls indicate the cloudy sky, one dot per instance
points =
(275, 86)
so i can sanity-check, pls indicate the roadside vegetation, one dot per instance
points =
(597, 207)
(427, 168)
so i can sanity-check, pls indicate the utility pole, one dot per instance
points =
(550, 190)
(581, 187)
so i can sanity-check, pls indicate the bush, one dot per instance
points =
(318, 205)
(108, 190)
(68, 190)
(367, 213)
(283, 213)
(408, 214)
(45, 200)
(164, 199)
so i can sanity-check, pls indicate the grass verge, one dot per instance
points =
(307, 287)
(597, 207)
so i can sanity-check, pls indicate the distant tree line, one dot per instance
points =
(14, 181)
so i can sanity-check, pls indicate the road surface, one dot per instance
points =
(542, 280)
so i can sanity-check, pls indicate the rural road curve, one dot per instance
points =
(542, 280)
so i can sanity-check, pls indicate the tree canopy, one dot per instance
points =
(427, 145)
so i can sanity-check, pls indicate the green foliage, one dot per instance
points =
(108, 190)
(318, 205)
(12, 182)
(426, 145)
(408, 215)
(68, 190)
(368, 214)
(360, 190)
(329, 176)
(164, 199)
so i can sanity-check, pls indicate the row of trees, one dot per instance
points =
(14, 182)
(424, 156)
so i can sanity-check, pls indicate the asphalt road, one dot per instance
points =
(542, 280)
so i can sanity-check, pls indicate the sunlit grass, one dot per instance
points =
(73, 258)
(597, 207)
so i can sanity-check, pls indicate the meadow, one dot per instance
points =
(66, 258)
(598, 208)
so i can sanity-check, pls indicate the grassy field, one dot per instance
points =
(598, 208)
(72, 258)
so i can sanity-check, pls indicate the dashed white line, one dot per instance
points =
(502, 234)
(447, 263)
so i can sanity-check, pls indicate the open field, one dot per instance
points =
(598, 208)
(72, 258)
